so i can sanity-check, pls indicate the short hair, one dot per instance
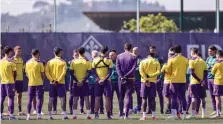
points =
(199, 54)
(195, 50)
(128, 46)
(104, 49)
(81, 50)
(75, 51)
(152, 47)
(220, 53)
(171, 51)
(57, 50)
(17, 48)
(35, 52)
(7, 49)
(113, 50)
(177, 48)
(212, 47)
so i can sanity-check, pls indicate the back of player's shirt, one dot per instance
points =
(217, 71)
(19, 68)
(34, 69)
(7, 67)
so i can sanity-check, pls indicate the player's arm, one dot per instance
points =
(118, 68)
(47, 72)
(157, 71)
(141, 71)
(163, 68)
(64, 68)
(14, 70)
(192, 72)
(73, 77)
(109, 71)
(88, 72)
(42, 71)
(214, 69)
(133, 68)
(168, 68)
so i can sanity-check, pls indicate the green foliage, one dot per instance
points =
(151, 23)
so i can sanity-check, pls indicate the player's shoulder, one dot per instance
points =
(219, 61)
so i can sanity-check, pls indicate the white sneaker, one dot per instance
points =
(215, 116)
(126, 118)
(172, 118)
(213, 113)
(34, 112)
(28, 118)
(190, 117)
(42, 113)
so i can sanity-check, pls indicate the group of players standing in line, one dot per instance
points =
(123, 74)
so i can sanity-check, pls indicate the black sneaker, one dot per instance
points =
(167, 111)
(92, 112)
(161, 111)
(65, 118)
(149, 112)
(51, 118)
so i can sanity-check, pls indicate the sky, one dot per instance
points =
(16, 7)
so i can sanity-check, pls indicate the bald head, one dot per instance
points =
(94, 54)
(135, 51)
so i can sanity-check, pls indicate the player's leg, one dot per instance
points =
(210, 87)
(139, 98)
(159, 88)
(82, 104)
(182, 97)
(19, 90)
(122, 90)
(107, 93)
(85, 93)
(76, 95)
(34, 106)
(128, 94)
(3, 96)
(144, 94)
(102, 105)
(55, 106)
(71, 102)
(144, 106)
(189, 99)
(194, 93)
(39, 95)
(112, 96)
(173, 100)
(52, 96)
(31, 92)
(117, 91)
(152, 96)
(61, 90)
(91, 89)
(166, 93)
(11, 96)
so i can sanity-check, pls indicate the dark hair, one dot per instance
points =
(81, 50)
(212, 47)
(7, 49)
(177, 48)
(57, 50)
(195, 50)
(35, 52)
(75, 51)
(153, 47)
(151, 54)
(199, 54)
(172, 49)
(2, 47)
(128, 46)
(113, 50)
(220, 53)
(104, 49)
(17, 48)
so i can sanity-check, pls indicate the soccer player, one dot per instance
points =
(198, 72)
(102, 67)
(19, 78)
(55, 72)
(8, 77)
(166, 85)
(149, 69)
(35, 73)
(211, 60)
(217, 71)
(80, 70)
(114, 77)
(159, 82)
(126, 64)
(177, 68)
(136, 52)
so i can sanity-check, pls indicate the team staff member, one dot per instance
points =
(55, 72)
(19, 78)
(35, 73)
(8, 76)
(217, 71)
(102, 67)
(149, 69)
(126, 64)
(177, 68)
(80, 70)
(198, 68)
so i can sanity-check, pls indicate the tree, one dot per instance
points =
(151, 23)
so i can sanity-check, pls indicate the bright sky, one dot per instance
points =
(16, 7)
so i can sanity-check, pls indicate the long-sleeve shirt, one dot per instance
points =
(161, 61)
(114, 75)
(126, 64)
(217, 71)
(137, 74)
(210, 63)
(149, 69)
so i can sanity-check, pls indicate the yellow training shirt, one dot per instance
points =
(217, 71)
(19, 68)
(167, 77)
(177, 68)
(34, 69)
(7, 68)
(56, 70)
(80, 67)
(199, 66)
(101, 70)
(151, 67)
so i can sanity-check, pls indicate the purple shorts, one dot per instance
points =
(177, 89)
(166, 90)
(100, 89)
(211, 85)
(36, 90)
(19, 86)
(57, 90)
(148, 91)
(194, 90)
(218, 90)
(203, 92)
(81, 90)
(7, 90)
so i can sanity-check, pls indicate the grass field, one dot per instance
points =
(134, 118)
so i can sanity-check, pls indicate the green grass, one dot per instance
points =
(134, 118)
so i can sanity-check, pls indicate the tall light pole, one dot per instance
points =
(55, 17)
(217, 16)
(181, 18)
(137, 16)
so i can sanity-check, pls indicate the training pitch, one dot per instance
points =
(81, 119)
